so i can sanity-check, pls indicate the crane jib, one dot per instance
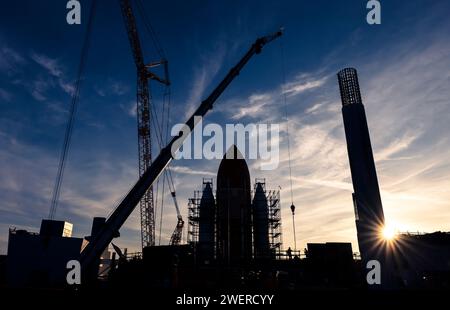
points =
(99, 243)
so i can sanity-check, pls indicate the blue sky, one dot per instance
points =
(404, 74)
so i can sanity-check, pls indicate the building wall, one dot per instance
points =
(37, 260)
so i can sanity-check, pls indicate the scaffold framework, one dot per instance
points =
(274, 215)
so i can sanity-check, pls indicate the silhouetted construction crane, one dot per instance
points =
(143, 111)
(175, 239)
(91, 253)
(177, 234)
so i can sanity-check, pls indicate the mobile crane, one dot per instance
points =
(99, 242)
(175, 239)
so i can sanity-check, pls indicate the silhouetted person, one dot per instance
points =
(289, 253)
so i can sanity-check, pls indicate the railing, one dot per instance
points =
(134, 255)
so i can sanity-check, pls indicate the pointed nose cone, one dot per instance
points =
(207, 196)
(233, 170)
(259, 194)
(259, 190)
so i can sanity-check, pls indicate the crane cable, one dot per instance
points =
(161, 131)
(159, 128)
(150, 30)
(72, 112)
(166, 105)
(286, 118)
(162, 208)
(283, 69)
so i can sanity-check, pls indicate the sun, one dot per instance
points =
(389, 233)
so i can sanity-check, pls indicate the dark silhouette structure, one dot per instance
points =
(260, 223)
(234, 219)
(366, 197)
(232, 229)
(207, 212)
(39, 259)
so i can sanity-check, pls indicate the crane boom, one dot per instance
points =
(133, 36)
(112, 225)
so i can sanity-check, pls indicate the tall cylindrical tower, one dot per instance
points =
(366, 197)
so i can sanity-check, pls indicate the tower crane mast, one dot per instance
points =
(143, 118)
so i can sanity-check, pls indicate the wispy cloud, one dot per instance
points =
(255, 106)
(54, 67)
(10, 60)
(269, 105)
(119, 88)
(396, 146)
(129, 108)
(314, 108)
(39, 87)
(50, 64)
(203, 75)
(66, 86)
(303, 83)
(187, 170)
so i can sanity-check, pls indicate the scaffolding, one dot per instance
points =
(194, 212)
(274, 214)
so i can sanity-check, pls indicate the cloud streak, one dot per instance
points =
(302, 84)
(56, 70)
(51, 65)
(10, 60)
(211, 64)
